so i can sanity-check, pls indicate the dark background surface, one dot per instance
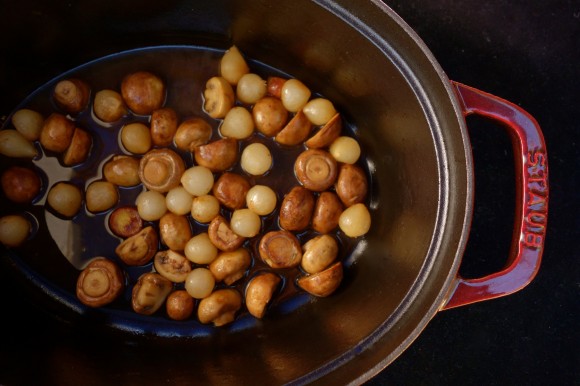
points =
(527, 52)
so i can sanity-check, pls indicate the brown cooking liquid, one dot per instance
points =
(60, 248)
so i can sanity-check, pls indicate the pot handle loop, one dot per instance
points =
(531, 199)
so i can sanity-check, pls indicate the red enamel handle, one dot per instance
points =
(531, 199)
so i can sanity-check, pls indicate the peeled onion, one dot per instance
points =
(28, 123)
(151, 205)
(256, 159)
(200, 250)
(14, 230)
(245, 223)
(179, 200)
(355, 221)
(199, 283)
(14, 144)
(197, 180)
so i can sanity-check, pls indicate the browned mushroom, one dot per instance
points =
(220, 307)
(316, 169)
(192, 133)
(20, 184)
(319, 253)
(219, 155)
(231, 189)
(230, 266)
(100, 283)
(163, 126)
(352, 185)
(280, 249)
(140, 248)
(72, 95)
(172, 265)
(125, 221)
(57, 133)
(122, 170)
(328, 133)
(296, 131)
(327, 211)
(260, 291)
(174, 230)
(270, 116)
(161, 169)
(150, 292)
(143, 92)
(274, 86)
(179, 305)
(219, 97)
(296, 209)
(222, 236)
(323, 283)
(79, 148)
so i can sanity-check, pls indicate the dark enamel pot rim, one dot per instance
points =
(434, 283)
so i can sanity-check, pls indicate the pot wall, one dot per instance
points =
(362, 58)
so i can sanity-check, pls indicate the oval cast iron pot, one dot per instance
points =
(410, 121)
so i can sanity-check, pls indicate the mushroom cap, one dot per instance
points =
(161, 169)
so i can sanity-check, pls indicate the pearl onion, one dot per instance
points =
(251, 88)
(205, 208)
(179, 201)
(199, 283)
(200, 250)
(319, 111)
(151, 205)
(238, 123)
(261, 200)
(345, 150)
(233, 65)
(14, 229)
(245, 223)
(197, 180)
(65, 198)
(136, 138)
(355, 221)
(294, 95)
(256, 159)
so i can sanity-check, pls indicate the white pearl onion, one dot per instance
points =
(14, 230)
(251, 88)
(245, 223)
(197, 180)
(179, 201)
(355, 221)
(28, 123)
(205, 208)
(151, 205)
(261, 199)
(319, 111)
(294, 95)
(200, 250)
(345, 150)
(199, 283)
(233, 65)
(256, 159)
(136, 138)
(238, 123)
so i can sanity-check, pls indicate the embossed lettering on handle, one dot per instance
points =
(531, 199)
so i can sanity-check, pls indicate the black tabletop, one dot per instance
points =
(527, 52)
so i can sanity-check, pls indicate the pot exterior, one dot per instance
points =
(365, 59)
